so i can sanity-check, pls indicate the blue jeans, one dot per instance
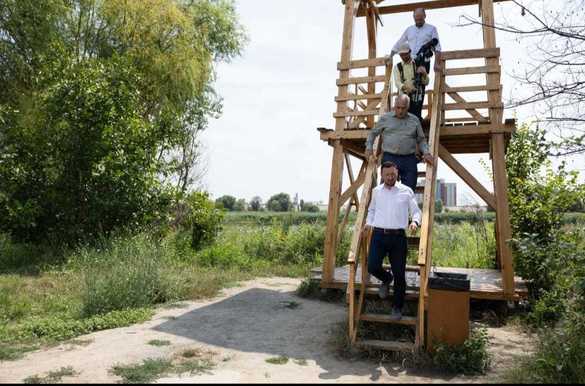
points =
(406, 167)
(396, 247)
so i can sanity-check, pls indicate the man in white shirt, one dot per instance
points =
(388, 216)
(418, 35)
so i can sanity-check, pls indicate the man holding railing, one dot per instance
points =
(401, 132)
(388, 217)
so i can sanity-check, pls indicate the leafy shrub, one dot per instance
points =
(198, 215)
(469, 358)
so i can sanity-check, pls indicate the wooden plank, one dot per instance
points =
(360, 79)
(371, 24)
(433, 4)
(355, 185)
(459, 99)
(466, 176)
(471, 88)
(472, 70)
(465, 119)
(356, 114)
(356, 97)
(471, 105)
(470, 54)
(503, 212)
(362, 63)
(387, 345)
(383, 318)
(488, 129)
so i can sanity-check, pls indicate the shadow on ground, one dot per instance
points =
(279, 323)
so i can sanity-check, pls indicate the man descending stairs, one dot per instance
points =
(363, 236)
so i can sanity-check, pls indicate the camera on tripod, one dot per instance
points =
(423, 56)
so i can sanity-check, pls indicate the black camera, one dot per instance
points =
(423, 56)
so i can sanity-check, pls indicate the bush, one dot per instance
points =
(127, 274)
(197, 215)
(469, 358)
(279, 203)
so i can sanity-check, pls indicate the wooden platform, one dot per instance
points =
(486, 284)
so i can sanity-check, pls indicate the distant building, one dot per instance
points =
(447, 193)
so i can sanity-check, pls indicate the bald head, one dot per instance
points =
(401, 105)
(419, 17)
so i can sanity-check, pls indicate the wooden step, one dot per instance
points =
(421, 174)
(387, 345)
(414, 242)
(419, 189)
(382, 318)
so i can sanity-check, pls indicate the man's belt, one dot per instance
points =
(390, 231)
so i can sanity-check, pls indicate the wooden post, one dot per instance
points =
(502, 213)
(503, 230)
(330, 248)
(372, 52)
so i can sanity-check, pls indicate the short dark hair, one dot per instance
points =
(389, 164)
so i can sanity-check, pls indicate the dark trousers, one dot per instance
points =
(396, 247)
(416, 106)
(406, 167)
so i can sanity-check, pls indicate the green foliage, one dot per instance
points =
(100, 107)
(281, 360)
(198, 215)
(279, 203)
(53, 329)
(539, 196)
(241, 205)
(128, 273)
(226, 202)
(469, 358)
(309, 207)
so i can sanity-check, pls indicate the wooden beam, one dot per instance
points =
(434, 4)
(470, 54)
(355, 185)
(472, 70)
(356, 97)
(471, 88)
(448, 131)
(503, 212)
(467, 177)
(472, 105)
(360, 79)
(459, 99)
(333, 211)
(371, 24)
(362, 63)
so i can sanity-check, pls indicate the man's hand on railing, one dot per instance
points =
(428, 159)
(413, 227)
(366, 228)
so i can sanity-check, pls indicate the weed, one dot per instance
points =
(281, 360)
(469, 358)
(159, 343)
(301, 362)
(14, 351)
(52, 376)
(146, 372)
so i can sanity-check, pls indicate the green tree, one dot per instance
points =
(279, 203)
(309, 207)
(226, 202)
(256, 204)
(438, 206)
(100, 107)
(240, 205)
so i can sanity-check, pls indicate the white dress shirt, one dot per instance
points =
(389, 207)
(416, 37)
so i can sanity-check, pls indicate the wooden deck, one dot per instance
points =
(485, 284)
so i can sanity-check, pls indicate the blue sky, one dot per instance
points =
(282, 88)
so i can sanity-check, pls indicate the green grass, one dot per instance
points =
(281, 360)
(52, 376)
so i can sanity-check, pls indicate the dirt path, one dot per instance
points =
(243, 327)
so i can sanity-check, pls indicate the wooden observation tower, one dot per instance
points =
(454, 125)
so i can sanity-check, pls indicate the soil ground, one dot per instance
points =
(243, 327)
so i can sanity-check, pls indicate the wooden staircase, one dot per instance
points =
(361, 240)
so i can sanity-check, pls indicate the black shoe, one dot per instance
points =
(396, 314)
(384, 290)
